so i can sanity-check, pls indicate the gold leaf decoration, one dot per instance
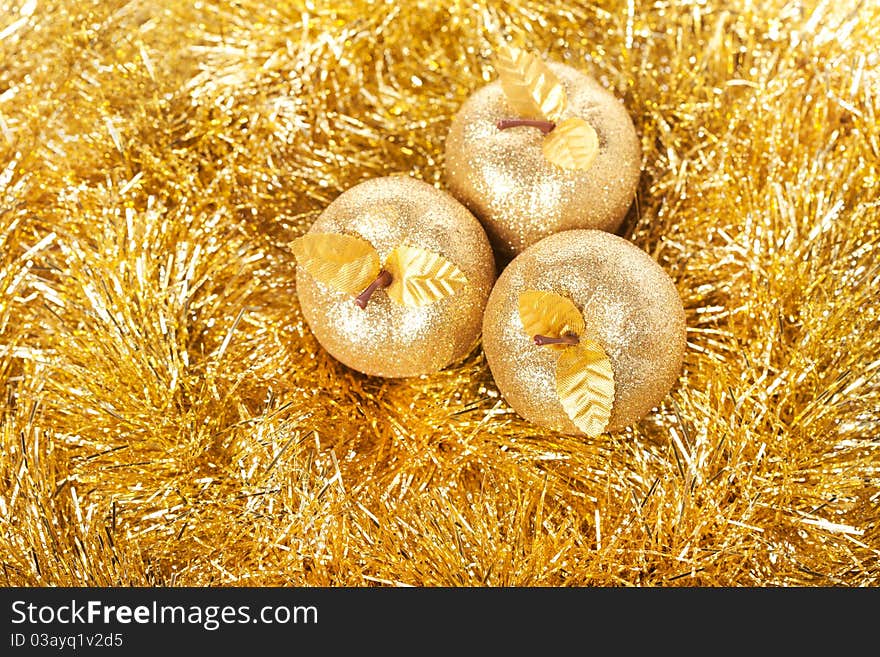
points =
(346, 263)
(572, 144)
(549, 314)
(532, 89)
(585, 385)
(421, 277)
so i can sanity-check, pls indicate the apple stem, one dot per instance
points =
(540, 124)
(568, 338)
(382, 280)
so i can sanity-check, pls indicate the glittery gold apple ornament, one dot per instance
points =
(544, 148)
(393, 276)
(584, 333)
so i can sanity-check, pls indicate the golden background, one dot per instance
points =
(168, 419)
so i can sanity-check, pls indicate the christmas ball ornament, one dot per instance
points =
(584, 333)
(393, 276)
(544, 148)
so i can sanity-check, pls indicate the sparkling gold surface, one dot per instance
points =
(630, 307)
(168, 418)
(388, 338)
(520, 197)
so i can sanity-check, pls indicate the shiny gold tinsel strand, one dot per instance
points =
(168, 419)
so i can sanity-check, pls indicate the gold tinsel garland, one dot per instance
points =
(167, 418)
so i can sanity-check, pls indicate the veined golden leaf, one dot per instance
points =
(346, 263)
(420, 277)
(572, 144)
(585, 385)
(549, 314)
(532, 89)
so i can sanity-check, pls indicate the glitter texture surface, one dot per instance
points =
(629, 304)
(387, 338)
(167, 416)
(521, 197)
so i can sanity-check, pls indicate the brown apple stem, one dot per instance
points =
(382, 280)
(540, 124)
(568, 338)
